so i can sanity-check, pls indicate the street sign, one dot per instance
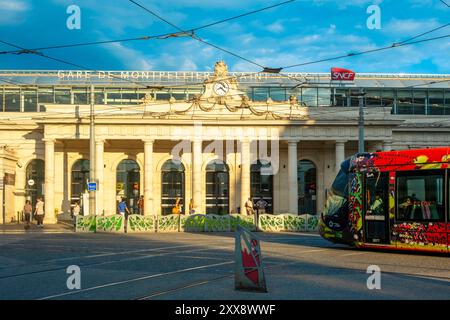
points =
(249, 271)
(31, 182)
(92, 186)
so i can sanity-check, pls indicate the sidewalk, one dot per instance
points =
(19, 228)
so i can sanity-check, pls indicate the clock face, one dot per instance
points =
(221, 88)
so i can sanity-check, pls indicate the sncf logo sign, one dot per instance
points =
(340, 74)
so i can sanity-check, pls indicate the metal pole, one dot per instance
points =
(92, 205)
(361, 122)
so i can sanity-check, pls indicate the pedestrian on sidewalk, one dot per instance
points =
(123, 208)
(39, 212)
(141, 205)
(75, 212)
(249, 207)
(27, 210)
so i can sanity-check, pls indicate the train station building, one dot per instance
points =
(217, 138)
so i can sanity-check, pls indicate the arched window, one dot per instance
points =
(307, 187)
(128, 184)
(217, 188)
(261, 181)
(172, 179)
(79, 180)
(34, 181)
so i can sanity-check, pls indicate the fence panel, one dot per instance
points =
(138, 223)
(85, 223)
(114, 223)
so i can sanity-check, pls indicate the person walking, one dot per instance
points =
(123, 208)
(39, 212)
(177, 208)
(249, 207)
(261, 205)
(141, 205)
(76, 212)
(27, 210)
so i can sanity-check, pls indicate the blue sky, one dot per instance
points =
(294, 33)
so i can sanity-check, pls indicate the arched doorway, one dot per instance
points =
(79, 180)
(217, 188)
(261, 183)
(307, 187)
(172, 179)
(34, 181)
(128, 184)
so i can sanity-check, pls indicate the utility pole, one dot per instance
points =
(92, 193)
(361, 121)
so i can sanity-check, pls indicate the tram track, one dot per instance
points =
(107, 262)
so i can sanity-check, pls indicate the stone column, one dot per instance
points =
(49, 181)
(99, 174)
(292, 177)
(196, 176)
(340, 154)
(387, 145)
(245, 173)
(148, 177)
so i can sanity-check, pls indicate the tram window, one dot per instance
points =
(420, 196)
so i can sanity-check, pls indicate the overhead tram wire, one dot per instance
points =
(148, 37)
(445, 3)
(424, 33)
(193, 36)
(83, 68)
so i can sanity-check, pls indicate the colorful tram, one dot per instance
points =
(391, 200)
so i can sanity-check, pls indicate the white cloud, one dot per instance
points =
(275, 27)
(13, 12)
(132, 59)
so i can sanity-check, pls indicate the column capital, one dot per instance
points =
(340, 141)
(99, 141)
(46, 140)
(292, 142)
(148, 140)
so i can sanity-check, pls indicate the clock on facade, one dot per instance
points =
(221, 88)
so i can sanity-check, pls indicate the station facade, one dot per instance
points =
(211, 138)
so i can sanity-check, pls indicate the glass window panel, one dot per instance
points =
(436, 102)
(387, 98)
(62, 96)
(80, 95)
(309, 96)
(324, 96)
(30, 101)
(99, 97)
(162, 96)
(12, 100)
(340, 98)
(1, 101)
(373, 98)
(260, 94)
(404, 102)
(419, 101)
(113, 96)
(45, 95)
(420, 196)
(277, 94)
(447, 102)
(306, 177)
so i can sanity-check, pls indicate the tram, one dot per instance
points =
(395, 200)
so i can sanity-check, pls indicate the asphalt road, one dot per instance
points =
(201, 266)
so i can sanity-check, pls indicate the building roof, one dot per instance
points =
(193, 78)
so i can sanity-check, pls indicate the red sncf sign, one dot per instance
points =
(342, 74)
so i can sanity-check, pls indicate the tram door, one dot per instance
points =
(376, 207)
